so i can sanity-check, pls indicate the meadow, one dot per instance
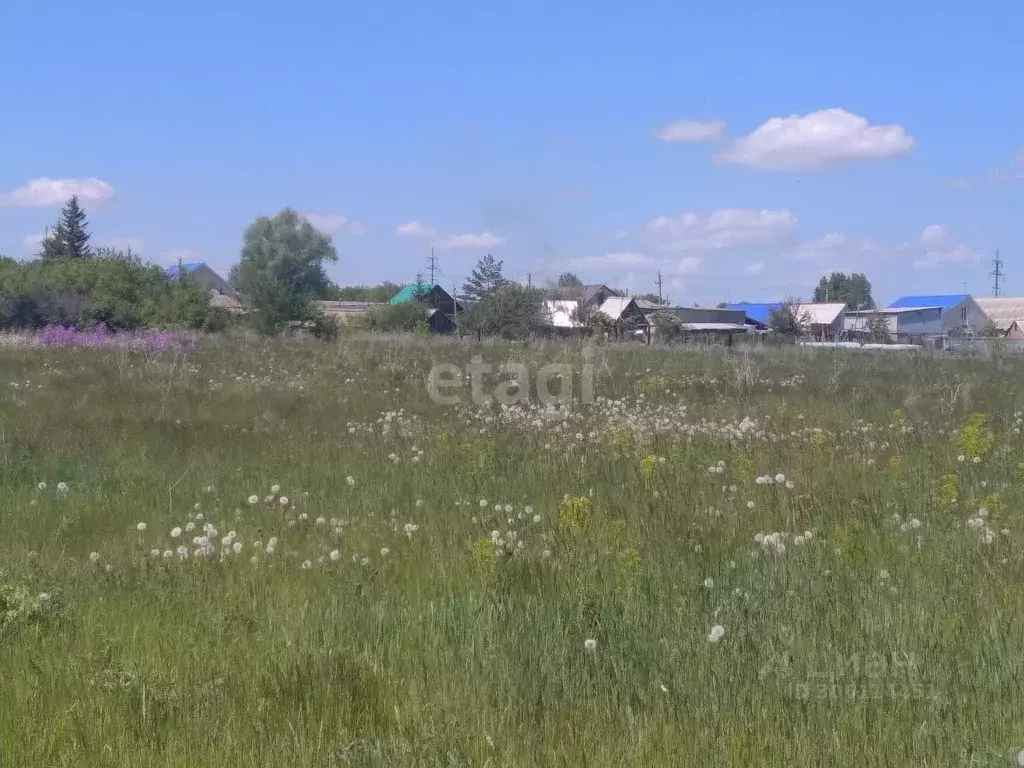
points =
(285, 553)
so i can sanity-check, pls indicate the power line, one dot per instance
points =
(433, 265)
(997, 274)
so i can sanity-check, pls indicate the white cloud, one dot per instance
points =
(933, 248)
(46, 192)
(1019, 157)
(688, 265)
(691, 130)
(335, 224)
(462, 242)
(753, 268)
(470, 242)
(621, 234)
(835, 248)
(939, 250)
(618, 262)
(613, 261)
(816, 141)
(933, 234)
(723, 228)
(416, 229)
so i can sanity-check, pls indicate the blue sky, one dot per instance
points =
(872, 136)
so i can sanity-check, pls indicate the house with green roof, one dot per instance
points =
(430, 293)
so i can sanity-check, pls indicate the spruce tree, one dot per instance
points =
(485, 280)
(75, 230)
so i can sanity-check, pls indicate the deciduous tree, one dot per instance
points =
(281, 269)
(854, 290)
(788, 321)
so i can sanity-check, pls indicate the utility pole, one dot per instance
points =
(433, 264)
(997, 274)
(658, 283)
(529, 280)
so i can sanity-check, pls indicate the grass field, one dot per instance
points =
(764, 558)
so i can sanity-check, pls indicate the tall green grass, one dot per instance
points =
(877, 642)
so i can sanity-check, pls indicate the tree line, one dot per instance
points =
(72, 283)
(281, 273)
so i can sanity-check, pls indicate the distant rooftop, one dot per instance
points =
(945, 302)
(192, 266)
(759, 313)
(413, 291)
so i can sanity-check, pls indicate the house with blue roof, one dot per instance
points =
(937, 315)
(932, 315)
(206, 277)
(757, 314)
